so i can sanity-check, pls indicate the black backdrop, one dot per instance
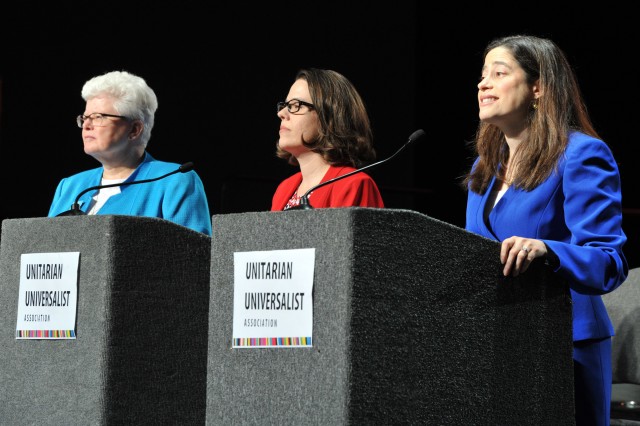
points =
(218, 70)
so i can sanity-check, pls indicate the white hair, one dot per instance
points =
(131, 95)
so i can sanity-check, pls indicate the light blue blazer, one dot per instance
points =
(577, 212)
(179, 198)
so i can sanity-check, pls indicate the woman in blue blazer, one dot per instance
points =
(547, 187)
(116, 127)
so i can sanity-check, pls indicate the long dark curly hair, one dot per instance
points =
(560, 110)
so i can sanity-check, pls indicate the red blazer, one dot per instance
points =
(357, 190)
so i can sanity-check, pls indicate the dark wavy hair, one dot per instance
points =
(345, 137)
(561, 109)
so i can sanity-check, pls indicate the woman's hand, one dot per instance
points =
(517, 253)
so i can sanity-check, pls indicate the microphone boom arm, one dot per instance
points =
(306, 194)
(75, 208)
(304, 199)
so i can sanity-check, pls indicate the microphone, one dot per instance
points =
(75, 208)
(304, 199)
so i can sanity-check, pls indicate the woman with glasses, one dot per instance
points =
(325, 131)
(546, 185)
(116, 128)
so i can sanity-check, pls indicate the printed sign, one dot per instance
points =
(47, 297)
(272, 299)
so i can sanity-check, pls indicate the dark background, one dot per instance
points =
(218, 70)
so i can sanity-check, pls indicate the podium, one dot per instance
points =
(140, 353)
(413, 324)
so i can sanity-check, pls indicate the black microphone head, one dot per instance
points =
(186, 167)
(416, 135)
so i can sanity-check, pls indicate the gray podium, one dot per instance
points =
(141, 324)
(413, 324)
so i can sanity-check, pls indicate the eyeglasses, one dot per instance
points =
(97, 119)
(293, 105)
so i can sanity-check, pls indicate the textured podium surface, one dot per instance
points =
(141, 346)
(413, 324)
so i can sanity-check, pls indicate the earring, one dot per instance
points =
(534, 104)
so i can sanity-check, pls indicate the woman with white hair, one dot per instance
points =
(116, 128)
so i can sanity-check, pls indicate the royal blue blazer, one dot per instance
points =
(577, 212)
(179, 198)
